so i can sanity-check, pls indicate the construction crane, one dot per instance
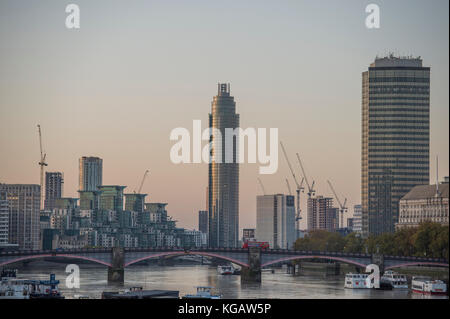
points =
(311, 190)
(299, 186)
(262, 186)
(288, 186)
(42, 163)
(142, 182)
(342, 207)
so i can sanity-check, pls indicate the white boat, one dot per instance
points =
(225, 270)
(425, 285)
(396, 280)
(202, 293)
(356, 281)
(11, 287)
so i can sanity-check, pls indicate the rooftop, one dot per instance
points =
(426, 191)
(400, 61)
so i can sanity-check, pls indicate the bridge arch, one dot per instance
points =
(183, 253)
(24, 258)
(417, 263)
(344, 260)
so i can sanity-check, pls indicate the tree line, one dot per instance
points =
(427, 240)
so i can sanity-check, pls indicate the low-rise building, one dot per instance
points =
(424, 203)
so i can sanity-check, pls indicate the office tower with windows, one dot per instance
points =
(275, 220)
(203, 221)
(223, 177)
(395, 137)
(54, 187)
(24, 210)
(4, 219)
(91, 173)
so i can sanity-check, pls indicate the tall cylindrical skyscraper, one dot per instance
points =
(223, 185)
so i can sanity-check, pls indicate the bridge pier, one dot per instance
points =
(116, 272)
(294, 268)
(253, 272)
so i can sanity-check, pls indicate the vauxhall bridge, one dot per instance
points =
(252, 260)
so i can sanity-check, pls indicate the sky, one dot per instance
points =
(135, 70)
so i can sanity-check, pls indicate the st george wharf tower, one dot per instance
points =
(223, 178)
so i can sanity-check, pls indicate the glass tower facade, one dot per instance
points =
(223, 184)
(91, 173)
(395, 138)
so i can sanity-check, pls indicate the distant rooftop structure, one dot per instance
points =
(426, 191)
(400, 61)
(223, 89)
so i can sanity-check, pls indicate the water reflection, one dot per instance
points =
(185, 279)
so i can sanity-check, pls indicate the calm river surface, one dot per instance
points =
(185, 278)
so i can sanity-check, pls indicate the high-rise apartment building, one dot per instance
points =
(4, 219)
(395, 137)
(54, 187)
(24, 209)
(135, 202)
(89, 200)
(111, 197)
(275, 220)
(203, 221)
(321, 214)
(91, 173)
(357, 219)
(223, 178)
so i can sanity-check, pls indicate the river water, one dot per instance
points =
(185, 279)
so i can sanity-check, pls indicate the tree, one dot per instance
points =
(439, 245)
(353, 243)
(404, 240)
(423, 238)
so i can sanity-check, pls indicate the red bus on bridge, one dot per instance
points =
(260, 244)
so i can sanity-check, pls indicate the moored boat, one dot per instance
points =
(139, 293)
(355, 281)
(225, 270)
(425, 285)
(13, 288)
(202, 293)
(394, 279)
